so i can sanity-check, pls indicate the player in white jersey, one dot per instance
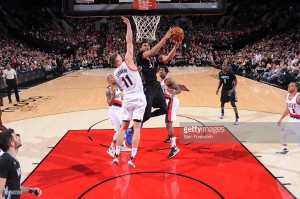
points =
(293, 109)
(114, 101)
(170, 89)
(133, 108)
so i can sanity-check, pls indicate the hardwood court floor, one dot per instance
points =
(77, 101)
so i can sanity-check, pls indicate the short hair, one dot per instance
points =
(112, 58)
(165, 68)
(108, 78)
(5, 138)
(297, 84)
(143, 42)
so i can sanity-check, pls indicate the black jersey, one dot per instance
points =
(227, 79)
(10, 169)
(149, 67)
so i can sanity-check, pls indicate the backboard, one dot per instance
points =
(101, 8)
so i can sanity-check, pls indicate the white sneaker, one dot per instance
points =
(130, 163)
(111, 152)
(116, 161)
(125, 148)
(237, 121)
(222, 116)
(282, 151)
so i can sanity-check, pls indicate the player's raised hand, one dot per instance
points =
(126, 20)
(169, 33)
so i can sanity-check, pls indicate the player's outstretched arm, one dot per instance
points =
(165, 59)
(129, 45)
(157, 47)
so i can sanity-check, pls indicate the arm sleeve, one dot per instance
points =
(3, 168)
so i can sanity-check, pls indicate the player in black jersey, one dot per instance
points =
(10, 171)
(148, 61)
(228, 93)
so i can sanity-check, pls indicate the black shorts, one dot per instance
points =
(225, 98)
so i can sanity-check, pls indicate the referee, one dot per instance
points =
(10, 80)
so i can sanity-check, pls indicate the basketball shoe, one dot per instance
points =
(174, 151)
(111, 152)
(168, 140)
(237, 121)
(116, 161)
(283, 151)
(130, 163)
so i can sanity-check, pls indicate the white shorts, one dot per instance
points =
(291, 127)
(172, 104)
(133, 107)
(115, 116)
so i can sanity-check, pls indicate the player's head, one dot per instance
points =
(293, 87)
(163, 71)
(115, 59)
(144, 45)
(9, 139)
(111, 80)
(225, 66)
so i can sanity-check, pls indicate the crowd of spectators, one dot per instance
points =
(204, 44)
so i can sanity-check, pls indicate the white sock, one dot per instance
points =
(112, 145)
(173, 141)
(133, 152)
(118, 149)
(115, 135)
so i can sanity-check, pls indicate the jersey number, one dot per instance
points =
(224, 81)
(127, 81)
(293, 110)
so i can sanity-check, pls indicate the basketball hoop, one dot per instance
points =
(146, 27)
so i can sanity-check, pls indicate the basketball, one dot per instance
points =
(179, 34)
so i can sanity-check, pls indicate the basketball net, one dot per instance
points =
(146, 27)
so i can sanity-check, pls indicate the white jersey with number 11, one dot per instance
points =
(129, 80)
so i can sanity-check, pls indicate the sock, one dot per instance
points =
(222, 111)
(237, 116)
(173, 141)
(133, 153)
(112, 145)
(115, 135)
(118, 149)
(284, 147)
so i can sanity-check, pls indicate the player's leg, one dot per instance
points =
(120, 139)
(173, 105)
(138, 114)
(127, 111)
(223, 100)
(160, 102)
(116, 124)
(233, 99)
(149, 93)
(288, 129)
